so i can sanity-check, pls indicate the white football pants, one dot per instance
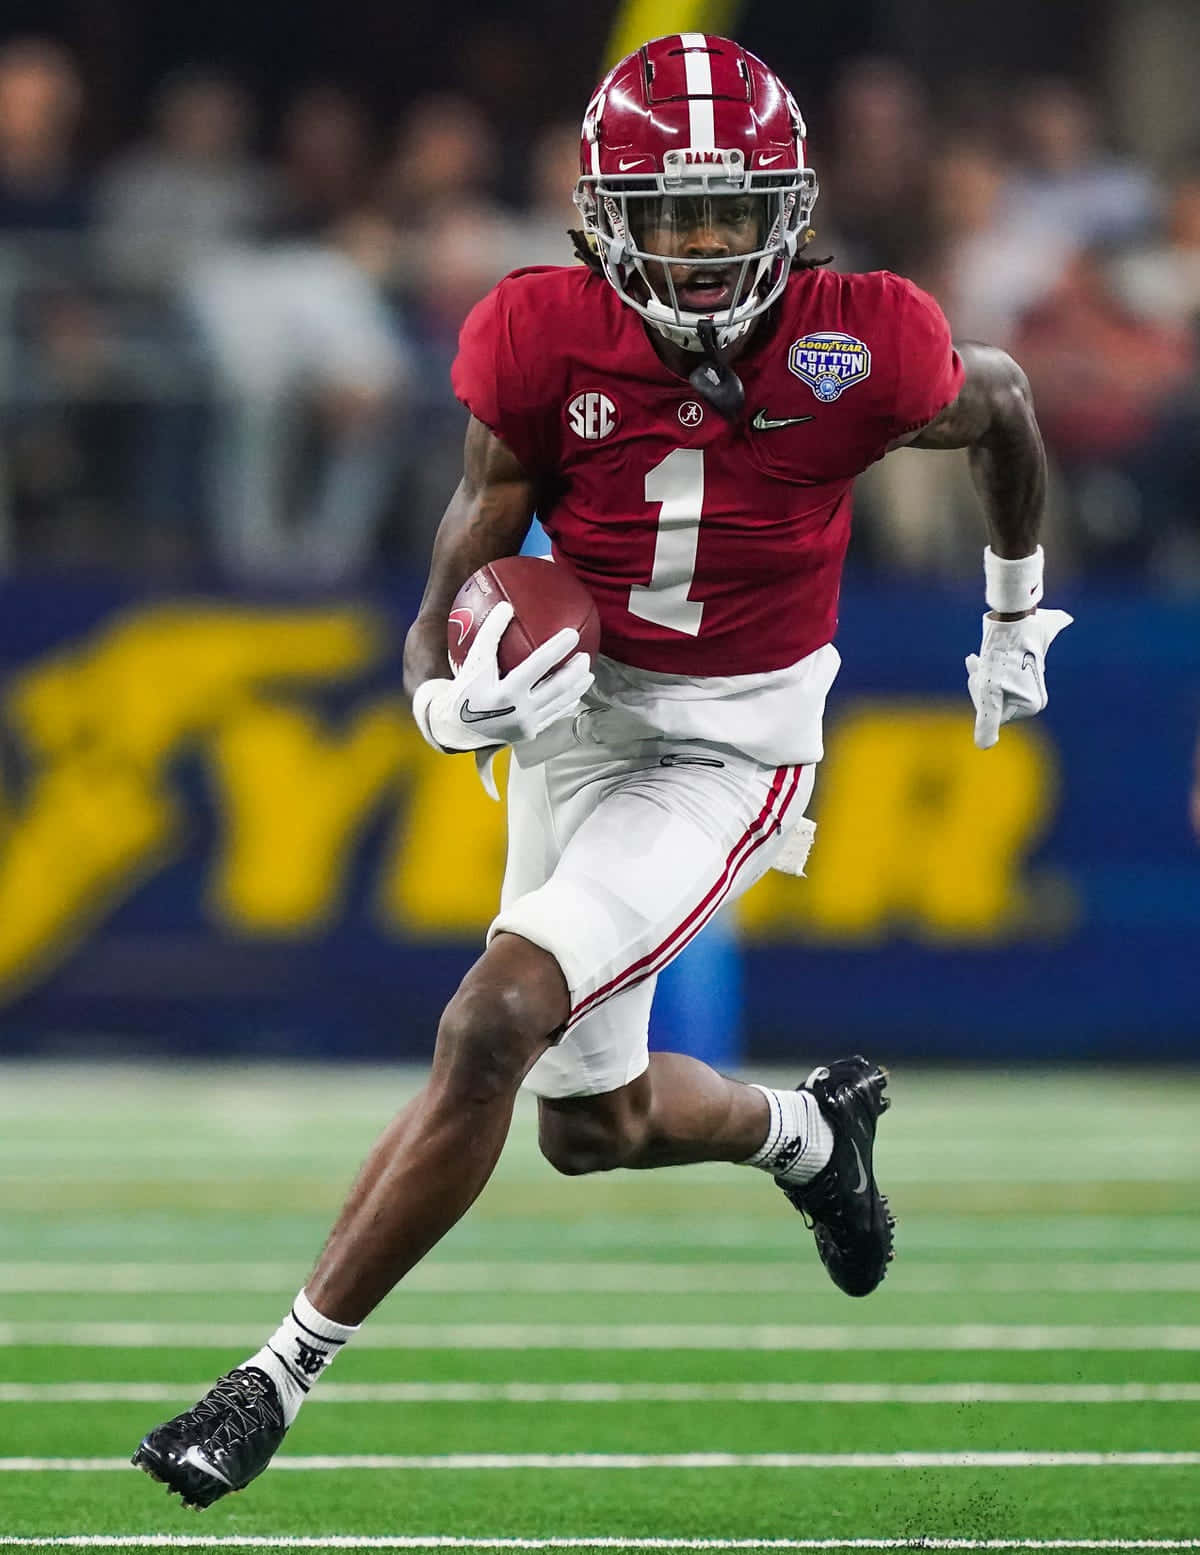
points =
(617, 857)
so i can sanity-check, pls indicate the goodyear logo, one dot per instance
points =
(830, 363)
(91, 808)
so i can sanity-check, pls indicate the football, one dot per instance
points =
(545, 596)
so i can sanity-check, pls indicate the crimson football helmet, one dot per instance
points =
(692, 133)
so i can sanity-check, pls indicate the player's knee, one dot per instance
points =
(485, 1042)
(593, 1134)
(501, 1018)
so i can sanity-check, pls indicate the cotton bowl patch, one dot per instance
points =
(830, 363)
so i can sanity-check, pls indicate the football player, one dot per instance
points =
(687, 411)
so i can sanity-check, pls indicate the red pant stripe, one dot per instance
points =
(760, 831)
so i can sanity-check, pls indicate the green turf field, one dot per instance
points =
(638, 1357)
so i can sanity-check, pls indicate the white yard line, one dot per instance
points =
(174, 1541)
(636, 1392)
(458, 1461)
(171, 1541)
(960, 1240)
(604, 1276)
(633, 1336)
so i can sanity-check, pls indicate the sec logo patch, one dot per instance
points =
(592, 415)
(830, 363)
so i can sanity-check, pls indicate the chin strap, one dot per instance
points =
(714, 379)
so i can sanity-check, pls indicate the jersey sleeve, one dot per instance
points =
(929, 370)
(499, 376)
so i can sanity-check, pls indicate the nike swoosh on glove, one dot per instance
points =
(1007, 677)
(482, 707)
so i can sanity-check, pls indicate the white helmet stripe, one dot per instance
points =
(592, 121)
(698, 67)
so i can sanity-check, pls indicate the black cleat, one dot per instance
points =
(221, 1443)
(842, 1205)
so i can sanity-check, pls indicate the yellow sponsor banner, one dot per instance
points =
(917, 834)
(637, 21)
(98, 726)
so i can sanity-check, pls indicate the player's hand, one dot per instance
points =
(482, 707)
(1007, 677)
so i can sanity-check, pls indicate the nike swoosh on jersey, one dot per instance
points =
(473, 715)
(764, 423)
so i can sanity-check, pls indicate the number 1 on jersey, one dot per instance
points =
(678, 484)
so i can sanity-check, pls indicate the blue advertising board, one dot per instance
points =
(220, 832)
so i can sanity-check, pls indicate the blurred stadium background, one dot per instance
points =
(233, 262)
(234, 256)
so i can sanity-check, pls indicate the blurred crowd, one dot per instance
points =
(227, 344)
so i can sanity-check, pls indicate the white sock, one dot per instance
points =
(799, 1141)
(298, 1352)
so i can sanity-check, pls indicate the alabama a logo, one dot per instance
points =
(830, 363)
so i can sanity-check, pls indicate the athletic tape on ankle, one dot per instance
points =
(1012, 584)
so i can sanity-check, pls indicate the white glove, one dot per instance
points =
(1007, 677)
(481, 707)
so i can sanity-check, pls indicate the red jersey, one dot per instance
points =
(710, 548)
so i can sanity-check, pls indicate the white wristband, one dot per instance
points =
(1012, 586)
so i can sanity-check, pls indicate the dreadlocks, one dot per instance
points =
(584, 250)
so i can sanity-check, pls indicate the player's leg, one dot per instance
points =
(663, 843)
(678, 1111)
(816, 1141)
(605, 1101)
(634, 881)
(636, 878)
(420, 1178)
(433, 1161)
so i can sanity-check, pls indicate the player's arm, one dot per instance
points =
(993, 418)
(488, 517)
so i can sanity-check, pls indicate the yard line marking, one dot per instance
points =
(637, 1392)
(456, 1461)
(187, 1541)
(633, 1336)
(958, 1239)
(609, 1276)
